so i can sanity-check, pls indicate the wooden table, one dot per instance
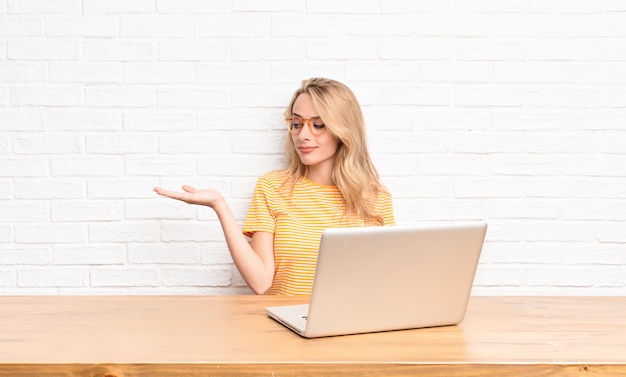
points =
(231, 335)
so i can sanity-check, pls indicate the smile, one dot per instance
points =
(306, 149)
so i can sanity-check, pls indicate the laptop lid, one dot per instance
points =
(372, 279)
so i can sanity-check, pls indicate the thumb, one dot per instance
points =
(188, 188)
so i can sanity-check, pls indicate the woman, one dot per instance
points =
(330, 182)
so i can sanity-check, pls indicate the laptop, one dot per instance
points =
(383, 278)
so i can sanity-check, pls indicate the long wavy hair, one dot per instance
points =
(354, 173)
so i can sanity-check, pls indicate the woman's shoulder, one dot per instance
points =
(273, 179)
(275, 176)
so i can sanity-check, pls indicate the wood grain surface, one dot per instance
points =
(119, 336)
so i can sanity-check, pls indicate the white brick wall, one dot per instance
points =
(509, 111)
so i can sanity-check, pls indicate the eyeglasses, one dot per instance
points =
(296, 124)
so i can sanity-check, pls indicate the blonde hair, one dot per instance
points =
(354, 173)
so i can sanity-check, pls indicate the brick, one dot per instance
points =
(160, 26)
(159, 73)
(6, 189)
(44, 49)
(24, 211)
(416, 49)
(6, 234)
(118, 6)
(86, 166)
(124, 277)
(119, 50)
(87, 211)
(186, 231)
(491, 187)
(289, 26)
(558, 276)
(416, 6)
(519, 26)
(520, 164)
(179, 253)
(595, 25)
(47, 96)
(560, 6)
(22, 27)
(564, 50)
(441, 164)
(496, 49)
(411, 142)
(558, 231)
(480, 96)
(84, 120)
(119, 96)
(261, 143)
(88, 255)
(516, 207)
(120, 188)
(24, 167)
(455, 72)
(47, 143)
(49, 188)
(488, 6)
(51, 277)
(343, 49)
(561, 187)
(193, 97)
(35, 233)
(82, 26)
(489, 142)
(122, 232)
(529, 72)
(120, 143)
(548, 253)
(244, 50)
(85, 72)
(19, 255)
(43, 6)
(238, 166)
(22, 120)
(203, 143)
(376, 26)
(416, 95)
(158, 209)
(456, 25)
(20, 72)
(392, 71)
(193, 6)
(160, 166)
(201, 51)
(185, 277)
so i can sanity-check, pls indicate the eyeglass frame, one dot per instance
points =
(308, 122)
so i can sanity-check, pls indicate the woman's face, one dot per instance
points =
(316, 150)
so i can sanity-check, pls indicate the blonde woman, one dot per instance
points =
(330, 182)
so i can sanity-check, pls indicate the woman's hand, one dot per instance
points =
(191, 195)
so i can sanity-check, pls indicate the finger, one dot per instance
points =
(170, 193)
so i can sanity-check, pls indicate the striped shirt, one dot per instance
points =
(297, 220)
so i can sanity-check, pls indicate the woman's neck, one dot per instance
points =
(322, 174)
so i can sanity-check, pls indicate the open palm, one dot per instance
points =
(191, 195)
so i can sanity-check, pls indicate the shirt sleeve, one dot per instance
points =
(260, 217)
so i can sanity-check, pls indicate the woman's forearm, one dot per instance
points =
(256, 265)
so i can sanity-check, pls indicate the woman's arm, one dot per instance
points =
(254, 260)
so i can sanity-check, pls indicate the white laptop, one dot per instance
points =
(385, 278)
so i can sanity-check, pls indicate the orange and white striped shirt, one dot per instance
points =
(297, 220)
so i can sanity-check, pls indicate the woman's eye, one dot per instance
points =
(297, 126)
(319, 126)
